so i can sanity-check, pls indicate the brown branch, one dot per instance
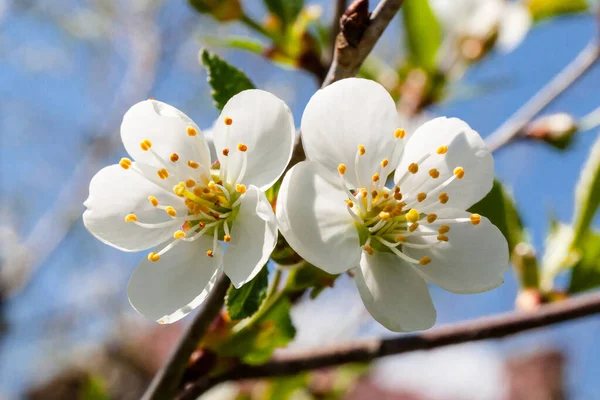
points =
(166, 382)
(369, 350)
(562, 81)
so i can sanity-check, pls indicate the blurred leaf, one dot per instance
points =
(586, 271)
(245, 301)
(221, 10)
(423, 34)
(94, 389)
(587, 195)
(237, 42)
(310, 277)
(285, 10)
(541, 9)
(225, 80)
(286, 387)
(557, 253)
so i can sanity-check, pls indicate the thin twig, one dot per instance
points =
(167, 380)
(340, 7)
(563, 80)
(369, 350)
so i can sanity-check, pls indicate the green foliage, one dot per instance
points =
(245, 301)
(423, 34)
(286, 387)
(587, 195)
(586, 271)
(226, 80)
(94, 389)
(309, 277)
(541, 9)
(285, 10)
(221, 10)
(237, 42)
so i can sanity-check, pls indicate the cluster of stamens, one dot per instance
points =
(387, 223)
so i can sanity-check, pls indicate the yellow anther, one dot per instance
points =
(174, 157)
(384, 162)
(179, 234)
(146, 144)
(190, 183)
(398, 196)
(434, 173)
(225, 151)
(363, 192)
(125, 163)
(227, 238)
(361, 150)
(386, 195)
(204, 208)
(179, 189)
(193, 164)
(153, 200)
(198, 191)
(442, 149)
(444, 229)
(242, 147)
(130, 218)
(424, 260)
(212, 185)
(171, 211)
(228, 121)
(375, 177)
(396, 189)
(412, 215)
(191, 131)
(475, 219)
(400, 238)
(210, 253)
(413, 227)
(240, 189)
(388, 208)
(431, 218)
(163, 173)
(399, 133)
(421, 196)
(443, 198)
(153, 257)
(350, 203)
(342, 169)
(384, 215)
(413, 168)
(442, 238)
(368, 249)
(459, 172)
(374, 193)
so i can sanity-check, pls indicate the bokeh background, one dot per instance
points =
(69, 69)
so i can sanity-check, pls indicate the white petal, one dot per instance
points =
(170, 288)
(314, 219)
(344, 115)
(265, 124)
(115, 193)
(253, 238)
(166, 127)
(394, 293)
(466, 149)
(514, 25)
(473, 260)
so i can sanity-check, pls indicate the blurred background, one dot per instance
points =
(70, 69)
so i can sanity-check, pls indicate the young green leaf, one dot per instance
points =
(423, 34)
(286, 10)
(586, 272)
(221, 10)
(245, 301)
(226, 80)
(587, 195)
(541, 9)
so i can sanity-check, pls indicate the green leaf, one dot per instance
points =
(541, 9)
(287, 387)
(237, 42)
(221, 10)
(245, 301)
(586, 271)
(423, 34)
(225, 80)
(587, 195)
(310, 277)
(286, 10)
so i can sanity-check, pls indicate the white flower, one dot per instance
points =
(170, 198)
(335, 211)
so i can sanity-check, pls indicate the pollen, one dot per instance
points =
(210, 253)
(191, 131)
(190, 183)
(413, 227)
(398, 196)
(342, 169)
(424, 260)
(240, 189)
(174, 157)
(442, 238)
(153, 200)
(171, 211)
(125, 163)
(459, 172)
(228, 121)
(179, 189)
(130, 218)
(400, 238)
(413, 168)
(225, 151)
(475, 219)
(384, 215)
(227, 238)
(375, 177)
(444, 229)
(153, 257)
(163, 173)
(443, 197)
(412, 215)
(242, 147)
(399, 133)
(368, 249)
(384, 162)
(442, 150)
(421, 196)
(179, 234)
(434, 173)
(146, 144)
(361, 150)
(350, 203)
(431, 218)
(193, 164)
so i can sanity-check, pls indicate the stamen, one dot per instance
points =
(398, 196)
(434, 173)
(240, 189)
(130, 218)
(384, 163)
(190, 183)
(413, 227)
(459, 172)
(442, 149)
(443, 229)
(342, 169)
(400, 238)
(412, 215)
(209, 253)
(153, 256)
(225, 151)
(179, 234)
(384, 215)
(421, 196)
(431, 218)
(174, 157)
(442, 238)
(350, 203)
(361, 150)
(191, 131)
(475, 219)
(153, 200)
(443, 197)
(228, 121)
(227, 238)
(413, 168)
(179, 189)
(125, 163)
(399, 133)
(368, 249)
(375, 177)
(242, 147)
(171, 211)
(145, 144)
(424, 260)
(193, 164)
(163, 173)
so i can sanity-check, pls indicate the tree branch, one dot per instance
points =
(563, 80)
(368, 350)
(167, 380)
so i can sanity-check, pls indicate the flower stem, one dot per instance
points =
(274, 284)
(255, 26)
